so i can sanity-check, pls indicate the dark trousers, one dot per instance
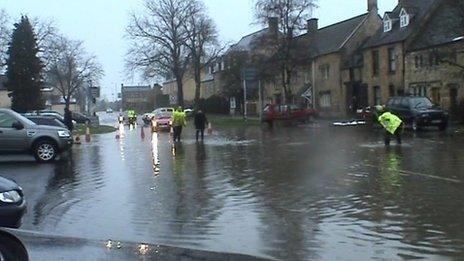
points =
(397, 134)
(202, 132)
(177, 132)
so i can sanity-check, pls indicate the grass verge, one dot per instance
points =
(94, 129)
(224, 121)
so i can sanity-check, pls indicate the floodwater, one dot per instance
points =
(294, 193)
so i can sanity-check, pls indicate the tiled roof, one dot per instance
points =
(246, 43)
(331, 38)
(443, 27)
(417, 10)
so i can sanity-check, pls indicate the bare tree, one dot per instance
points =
(5, 36)
(202, 42)
(70, 67)
(291, 17)
(158, 39)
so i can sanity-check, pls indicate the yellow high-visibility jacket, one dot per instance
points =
(390, 122)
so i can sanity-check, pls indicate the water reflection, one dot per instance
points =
(155, 154)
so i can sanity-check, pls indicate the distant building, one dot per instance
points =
(138, 98)
(5, 101)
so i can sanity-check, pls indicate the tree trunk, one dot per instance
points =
(180, 91)
(67, 101)
(197, 88)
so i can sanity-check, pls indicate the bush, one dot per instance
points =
(214, 104)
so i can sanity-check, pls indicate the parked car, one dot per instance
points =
(51, 113)
(46, 120)
(21, 135)
(12, 204)
(291, 112)
(418, 112)
(109, 110)
(80, 118)
(162, 121)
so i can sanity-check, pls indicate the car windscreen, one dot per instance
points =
(421, 103)
(163, 114)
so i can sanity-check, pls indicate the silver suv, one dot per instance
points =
(18, 135)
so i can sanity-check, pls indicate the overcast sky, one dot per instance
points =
(100, 24)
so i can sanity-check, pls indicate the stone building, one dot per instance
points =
(138, 98)
(384, 55)
(330, 73)
(434, 60)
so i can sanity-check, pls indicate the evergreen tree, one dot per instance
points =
(24, 69)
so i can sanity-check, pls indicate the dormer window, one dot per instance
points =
(387, 23)
(404, 18)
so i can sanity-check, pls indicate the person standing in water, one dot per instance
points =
(200, 124)
(178, 121)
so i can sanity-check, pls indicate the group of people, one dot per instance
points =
(179, 121)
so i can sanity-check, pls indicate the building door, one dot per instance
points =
(435, 96)
(356, 96)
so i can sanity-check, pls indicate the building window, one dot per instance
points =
(307, 79)
(420, 91)
(325, 100)
(387, 24)
(404, 18)
(325, 71)
(433, 59)
(377, 96)
(391, 60)
(419, 61)
(375, 63)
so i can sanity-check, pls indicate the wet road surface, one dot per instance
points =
(307, 192)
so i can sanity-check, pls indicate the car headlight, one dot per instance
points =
(425, 115)
(64, 134)
(10, 197)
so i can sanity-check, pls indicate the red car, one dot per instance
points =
(162, 121)
(289, 112)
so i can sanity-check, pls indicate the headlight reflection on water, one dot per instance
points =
(155, 153)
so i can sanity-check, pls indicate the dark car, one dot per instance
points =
(418, 112)
(12, 204)
(46, 120)
(80, 118)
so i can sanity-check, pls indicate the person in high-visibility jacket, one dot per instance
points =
(178, 121)
(392, 124)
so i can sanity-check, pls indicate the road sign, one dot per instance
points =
(95, 91)
(250, 74)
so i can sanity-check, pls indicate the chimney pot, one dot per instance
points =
(273, 24)
(372, 6)
(312, 25)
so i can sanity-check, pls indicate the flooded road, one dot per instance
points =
(308, 192)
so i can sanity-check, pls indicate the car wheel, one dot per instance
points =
(45, 151)
(415, 125)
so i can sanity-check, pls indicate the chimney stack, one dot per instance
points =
(312, 25)
(273, 25)
(372, 6)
